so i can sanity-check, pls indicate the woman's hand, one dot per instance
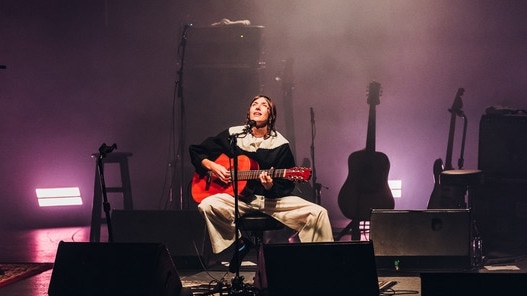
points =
(266, 180)
(220, 172)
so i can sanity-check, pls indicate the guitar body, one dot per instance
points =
(445, 196)
(204, 186)
(201, 186)
(435, 198)
(366, 186)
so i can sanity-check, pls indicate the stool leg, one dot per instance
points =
(126, 186)
(98, 205)
(260, 277)
(95, 227)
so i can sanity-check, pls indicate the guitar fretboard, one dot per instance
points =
(253, 174)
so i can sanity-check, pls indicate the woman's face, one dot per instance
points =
(259, 111)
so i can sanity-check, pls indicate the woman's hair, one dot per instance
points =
(272, 115)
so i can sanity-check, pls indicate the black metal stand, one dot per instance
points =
(461, 160)
(317, 187)
(103, 150)
(464, 181)
(177, 154)
(2, 67)
(238, 287)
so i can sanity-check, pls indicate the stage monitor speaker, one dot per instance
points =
(464, 283)
(183, 232)
(309, 269)
(414, 239)
(113, 269)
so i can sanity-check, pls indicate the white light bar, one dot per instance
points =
(65, 196)
(396, 187)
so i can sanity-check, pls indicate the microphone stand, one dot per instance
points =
(179, 155)
(237, 288)
(103, 150)
(317, 187)
(2, 67)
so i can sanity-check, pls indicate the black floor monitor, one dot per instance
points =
(422, 239)
(339, 268)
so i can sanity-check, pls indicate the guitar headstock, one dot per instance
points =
(374, 92)
(298, 174)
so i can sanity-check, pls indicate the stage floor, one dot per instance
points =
(40, 245)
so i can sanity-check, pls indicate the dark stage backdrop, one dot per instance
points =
(80, 73)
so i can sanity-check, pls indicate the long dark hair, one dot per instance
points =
(272, 115)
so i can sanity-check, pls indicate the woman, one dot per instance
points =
(260, 142)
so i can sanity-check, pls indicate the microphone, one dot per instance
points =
(249, 126)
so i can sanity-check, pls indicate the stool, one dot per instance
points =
(96, 219)
(256, 223)
(458, 186)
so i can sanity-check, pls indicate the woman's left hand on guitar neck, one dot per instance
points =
(266, 180)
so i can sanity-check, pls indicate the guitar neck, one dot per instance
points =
(370, 137)
(455, 111)
(254, 174)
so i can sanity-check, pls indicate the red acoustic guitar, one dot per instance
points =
(366, 186)
(204, 186)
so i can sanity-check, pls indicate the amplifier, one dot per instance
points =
(503, 145)
(417, 239)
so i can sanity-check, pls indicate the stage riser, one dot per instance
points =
(463, 284)
(500, 209)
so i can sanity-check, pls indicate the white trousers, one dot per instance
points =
(310, 220)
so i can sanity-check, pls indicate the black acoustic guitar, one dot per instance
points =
(366, 186)
(447, 196)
